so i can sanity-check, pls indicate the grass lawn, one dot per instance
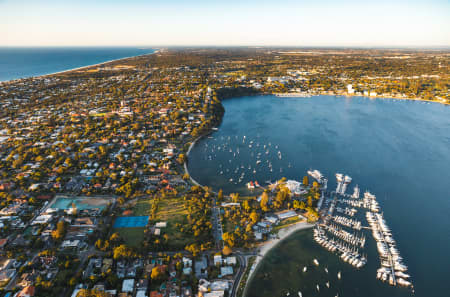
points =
(170, 210)
(287, 222)
(132, 236)
(142, 207)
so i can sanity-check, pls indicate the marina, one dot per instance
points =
(331, 234)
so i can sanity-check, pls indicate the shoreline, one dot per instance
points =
(77, 68)
(310, 95)
(268, 245)
(187, 157)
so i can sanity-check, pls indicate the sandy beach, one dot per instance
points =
(264, 248)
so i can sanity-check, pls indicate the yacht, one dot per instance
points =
(355, 192)
(347, 179)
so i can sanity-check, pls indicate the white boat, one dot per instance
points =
(328, 284)
(339, 275)
(318, 290)
(316, 262)
(315, 174)
(305, 268)
(347, 179)
(300, 294)
(403, 282)
(355, 192)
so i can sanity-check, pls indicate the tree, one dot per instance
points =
(264, 202)
(254, 217)
(234, 197)
(181, 158)
(226, 250)
(305, 181)
(122, 251)
(60, 230)
(91, 293)
(193, 248)
(156, 273)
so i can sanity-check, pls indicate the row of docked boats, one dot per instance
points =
(392, 269)
(349, 254)
(370, 202)
(347, 211)
(351, 223)
(346, 236)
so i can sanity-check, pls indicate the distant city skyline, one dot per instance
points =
(225, 23)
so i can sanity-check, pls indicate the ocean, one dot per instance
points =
(23, 62)
(398, 150)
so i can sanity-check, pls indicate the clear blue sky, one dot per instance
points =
(231, 22)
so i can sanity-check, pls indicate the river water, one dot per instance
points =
(399, 150)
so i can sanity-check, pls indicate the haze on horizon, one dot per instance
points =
(225, 23)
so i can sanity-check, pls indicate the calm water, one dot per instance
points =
(26, 62)
(398, 150)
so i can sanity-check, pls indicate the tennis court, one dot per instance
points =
(130, 222)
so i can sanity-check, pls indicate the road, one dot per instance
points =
(217, 225)
(243, 263)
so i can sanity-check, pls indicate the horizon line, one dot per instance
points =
(240, 46)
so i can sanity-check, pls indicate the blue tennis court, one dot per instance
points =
(129, 222)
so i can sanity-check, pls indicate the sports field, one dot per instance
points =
(131, 222)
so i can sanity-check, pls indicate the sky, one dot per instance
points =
(364, 23)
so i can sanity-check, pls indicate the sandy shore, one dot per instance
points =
(264, 248)
(81, 67)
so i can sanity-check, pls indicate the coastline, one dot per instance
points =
(185, 162)
(78, 68)
(268, 245)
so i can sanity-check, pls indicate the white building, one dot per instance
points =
(128, 285)
(217, 260)
(350, 89)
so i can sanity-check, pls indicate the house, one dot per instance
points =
(214, 294)
(203, 285)
(226, 270)
(128, 285)
(186, 292)
(230, 261)
(155, 294)
(217, 260)
(286, 214)
(220, 285)
(187, 262)
(3, 242)
(141, 293)
(27, 292)
(187, 270)
(200, 268)
(70, 244)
